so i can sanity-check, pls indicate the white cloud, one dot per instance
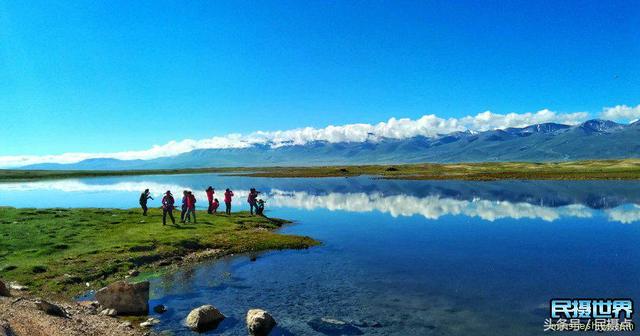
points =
(621, 112)
(488, 120)
(428, 125)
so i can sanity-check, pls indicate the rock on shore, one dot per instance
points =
(125, 298)
(50, 308)
(4, 291)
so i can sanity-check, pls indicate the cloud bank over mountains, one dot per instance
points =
(428, 125)
(622, 112)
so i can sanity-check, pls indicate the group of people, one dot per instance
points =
(188, 209)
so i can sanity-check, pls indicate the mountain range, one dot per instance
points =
(593, 139)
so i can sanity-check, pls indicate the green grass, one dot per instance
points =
(56, 251)
(571, 170)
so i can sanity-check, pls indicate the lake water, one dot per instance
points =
(410, 257)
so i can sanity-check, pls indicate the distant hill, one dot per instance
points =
(593, 139)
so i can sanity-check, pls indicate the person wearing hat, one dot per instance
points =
(143, 201)
(167, 207)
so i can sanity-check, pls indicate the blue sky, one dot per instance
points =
(125, 75)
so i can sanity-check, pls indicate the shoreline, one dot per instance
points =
(624, 169)
(21, 317)
(59, 254)
(60, 250)
(19, 312)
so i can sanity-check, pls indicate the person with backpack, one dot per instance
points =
(210, 191)
(184, 207)
(143, 201)
(228, 195)
(167, 207)
(252, 200)
(260, 208)
(191, 207)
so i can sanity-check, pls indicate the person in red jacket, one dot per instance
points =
(167, 207)
(192, 197)
(184, 207)
(191, 207)
(214, 206)
(228, 195)
(210, 191)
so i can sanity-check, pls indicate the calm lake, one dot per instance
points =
(398, 257)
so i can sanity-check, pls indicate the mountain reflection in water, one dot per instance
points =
(547, 200)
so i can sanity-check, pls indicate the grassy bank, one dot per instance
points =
(57, 251)
(29, 175)
(575, 170)
(572, 170)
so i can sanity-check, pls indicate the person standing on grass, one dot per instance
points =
(143, 201)
(191, 207)
(184, 207)
(210, 191)
(228, 195)
(252, 200)
(167, 207)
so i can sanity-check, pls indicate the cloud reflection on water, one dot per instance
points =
(430, 206)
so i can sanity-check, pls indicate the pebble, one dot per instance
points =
(160, 309)
(18, 287)
(149, 323)
(109, 312)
